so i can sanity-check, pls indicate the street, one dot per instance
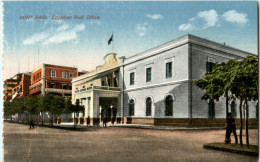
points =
(115, 144)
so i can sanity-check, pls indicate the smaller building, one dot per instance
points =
(98, 90)
(52, 79)
(22, 89)
(9, 84)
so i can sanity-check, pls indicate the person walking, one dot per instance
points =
(231, 128)
(104, 114)
(31, 123)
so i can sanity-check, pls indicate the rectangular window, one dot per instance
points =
(209, 66)
(71, 75)
(70, 88)
(148, 74)
(64, 75)
(103, 83)
(132, 78)
(53, 85)
(168, 69)
(64, 86)
(53, 73)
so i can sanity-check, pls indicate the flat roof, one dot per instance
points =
(185, 40)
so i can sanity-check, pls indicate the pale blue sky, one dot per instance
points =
(137, 26)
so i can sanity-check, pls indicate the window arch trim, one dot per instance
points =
(169, 94)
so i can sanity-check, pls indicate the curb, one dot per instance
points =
(170, 129)
(218, 148)
(83, 127)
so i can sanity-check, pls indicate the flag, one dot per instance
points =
(110, 40)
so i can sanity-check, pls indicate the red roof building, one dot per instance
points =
(52, 79)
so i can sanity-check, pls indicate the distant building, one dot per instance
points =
(9, 84)
(22, 89)
(98, 89)
(52, 79)
(82, 72)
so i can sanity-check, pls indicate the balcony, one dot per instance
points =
(54, 90)
(33, 89)
(98, 88)
(8, 89)
(106, 88)
(82, 90)
(12, 83)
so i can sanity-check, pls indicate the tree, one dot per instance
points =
(44, 104)
(68, 105)
(31, 105)
(19, 106)
(238, 77)
(56, 107)
(244, 80)
(217, 82)
(74, 108)
(8, 109)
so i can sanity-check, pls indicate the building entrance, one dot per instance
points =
(108, 109)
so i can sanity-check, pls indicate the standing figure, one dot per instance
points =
(31, 123)
(231, 128)
(88, 121)
(104, 114)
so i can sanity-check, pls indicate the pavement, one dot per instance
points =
(143, 126)
(253, 150)
(68, 125)
(115, 144)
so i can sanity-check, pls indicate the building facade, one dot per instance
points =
(155, 86)
(9, 84)
(158, 86)
(22, 89)
(52, 79)
(98, 89)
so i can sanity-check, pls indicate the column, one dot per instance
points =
(119, 109)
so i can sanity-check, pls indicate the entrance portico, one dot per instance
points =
(95, 99)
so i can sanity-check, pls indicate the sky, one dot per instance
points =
(136, 27)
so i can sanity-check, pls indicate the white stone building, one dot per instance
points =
(158, 86)
(155, 86)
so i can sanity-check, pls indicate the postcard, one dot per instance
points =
(130, 81)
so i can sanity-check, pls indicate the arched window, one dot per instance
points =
(131, 107)
(169, 106)
(148, 106)
(233, 109)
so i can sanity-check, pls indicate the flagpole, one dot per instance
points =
(113, 42)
